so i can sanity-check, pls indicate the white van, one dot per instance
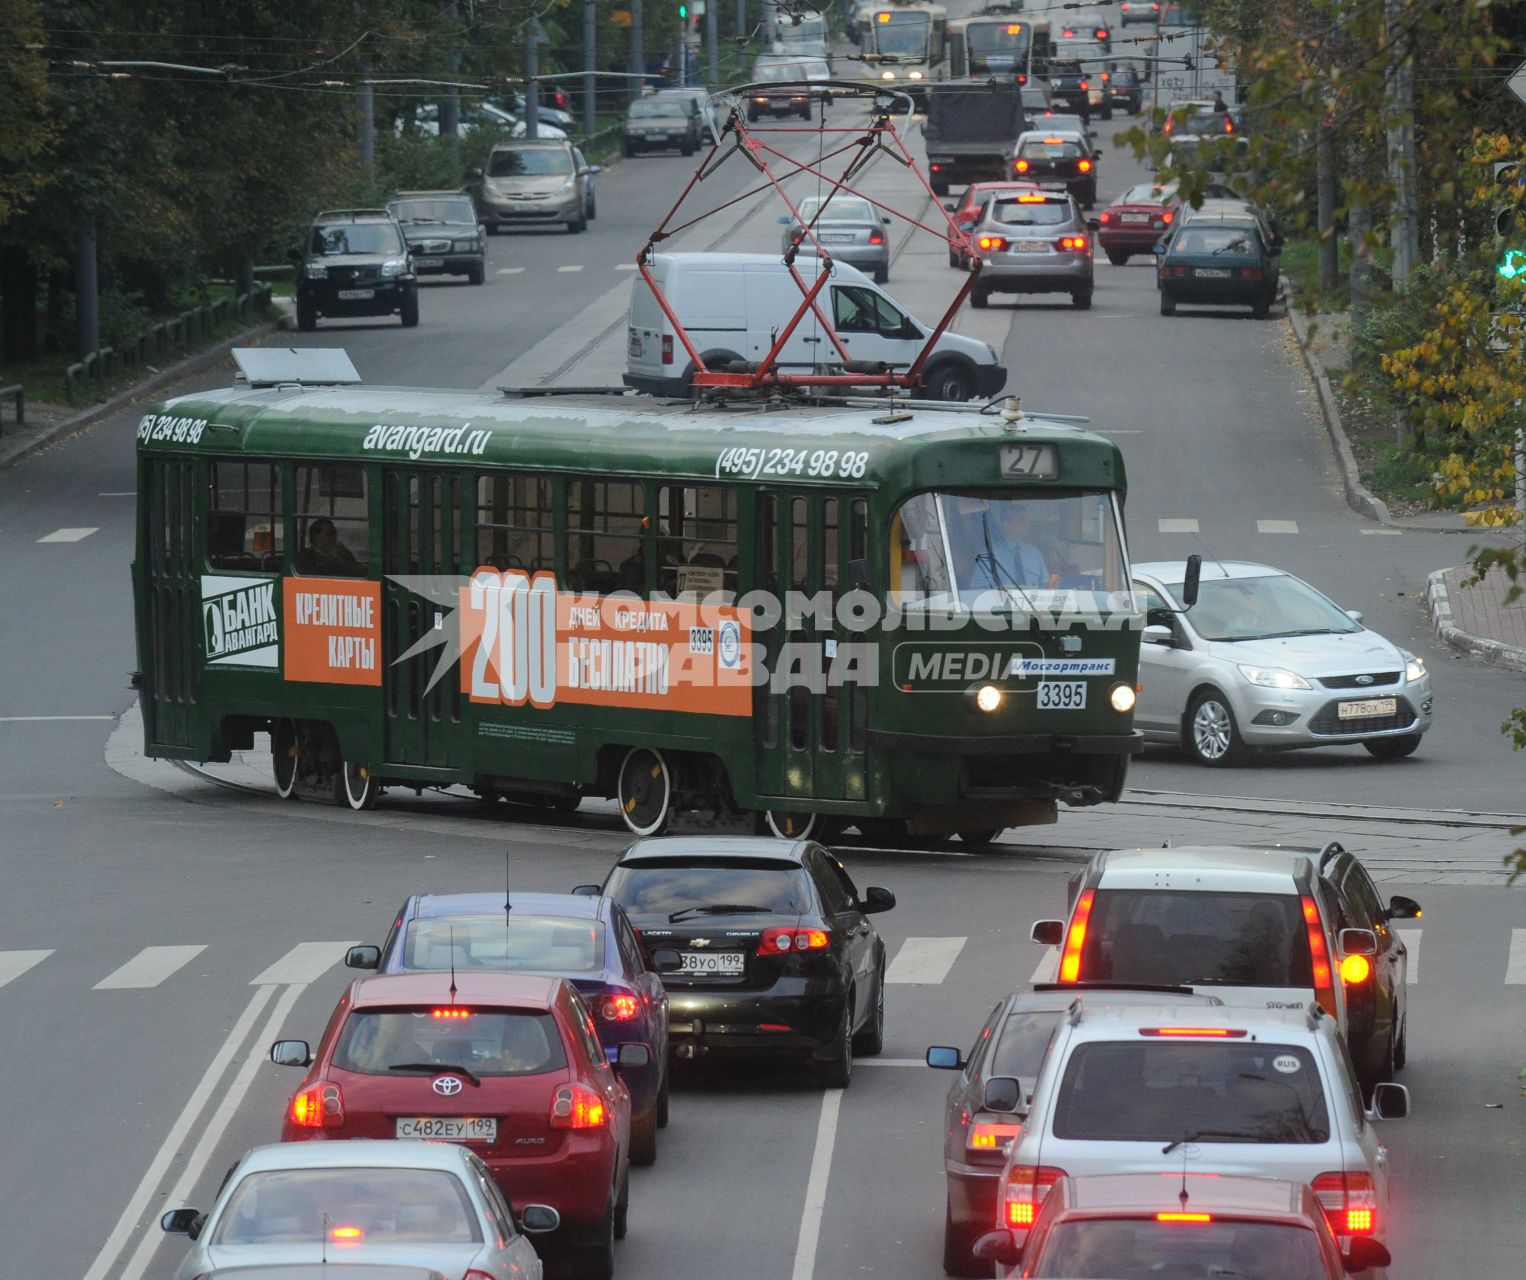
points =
(733, 306)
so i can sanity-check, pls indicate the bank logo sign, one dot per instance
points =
(241, 626)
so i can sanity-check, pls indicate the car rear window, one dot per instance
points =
(1092, 1247)
(531, 162)
(1191, 1090)
(290, 1206)
(1234, 242)
(1147, 193)
(486, 1042)
(1024, 1040)
(1051, 149)
(504, 943)
(447, 211)
(1031, 213)
(1193, 939)
(665, 885)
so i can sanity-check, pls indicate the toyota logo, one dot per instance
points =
(448, 1086)
(1364, 679)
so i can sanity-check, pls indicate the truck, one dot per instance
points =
(969, 132)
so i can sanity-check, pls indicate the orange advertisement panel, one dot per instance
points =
(333, 631)
(525, 642)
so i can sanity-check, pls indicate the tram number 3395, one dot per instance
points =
(515, 661)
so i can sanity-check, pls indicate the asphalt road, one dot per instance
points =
(124, 1100)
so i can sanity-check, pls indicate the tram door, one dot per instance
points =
(422, 525)
(170, 586)
(811, 723)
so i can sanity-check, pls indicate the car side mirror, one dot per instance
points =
(876, 900)
(1049, 933)
(474, 174)
(633, 1055)
(966, 225)
(1097, 154)
(886, 221)
(1354, 614)
(952, 208)
(291, 1053)
(183, 1222)
(1157, 634)
(944, 1057)
(1157, 248)
(1092, 224)
(1390, 1101)
(1365, 1253)
(362, 958)
(595, 169)
(1402, 908)
(1004, 1246)
(784, 219)
(1190, 581)
(666, 960)
(1357, 942)
(538, 1219)
(1004, 1094)
(586, 890)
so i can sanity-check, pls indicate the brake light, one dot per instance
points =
(1085, 85)
(1085, 166)
(1173, 273)
(667, 348)
(319, 1106)
(1319, 955)
(1222, 1033)
(1026, 1187)
(1350, 1202)
(453, 1013)
(1020, 165)
(1184, 1217)
(1032, 199)
(1023, 78)
(1072, 244)
(1102, 34)
(1070, 961)
(575, 1106)
(779, 940)
(937, 168)
(1105, 77)
(1106, 216)
(346, 1235)
(1355, 970)
(619, 1008)
(1250, 273)
(991, 243)
(1167, 216)
(1229, 125)
(876, 238)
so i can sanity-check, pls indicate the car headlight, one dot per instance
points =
(467, 245)
(393, 267)
(1274, 678)
(1414, 668)
(315, 271)
(1122, 697)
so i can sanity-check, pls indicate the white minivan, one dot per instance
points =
(733, 306)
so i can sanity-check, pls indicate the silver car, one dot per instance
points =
(849, 228)
(1034, 242)
(531, 182)
(391, 1203)
(1263, 660)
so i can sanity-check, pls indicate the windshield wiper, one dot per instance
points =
(992, 564)
(1308, 631)
(1208, 1133)
(719, 909)
(435, 1068)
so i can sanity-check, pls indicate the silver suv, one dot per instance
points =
(1034, 242)
(535, 182)
(1263, 1093)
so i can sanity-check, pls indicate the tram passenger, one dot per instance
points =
(324, 552)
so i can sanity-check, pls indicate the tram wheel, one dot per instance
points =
(793, 826)
(284, 758)
(645, 791)
(355, 787)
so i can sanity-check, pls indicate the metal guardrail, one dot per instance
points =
(17, 396)
(183, 331)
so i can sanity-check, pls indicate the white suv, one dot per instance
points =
(1168, 1090)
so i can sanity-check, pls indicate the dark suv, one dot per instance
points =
(443, 233)
(355, 263)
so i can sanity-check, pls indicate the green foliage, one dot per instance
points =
(26, 131)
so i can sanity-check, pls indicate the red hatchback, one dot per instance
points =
(508, 1064)
(968, 213)
(1141, 215)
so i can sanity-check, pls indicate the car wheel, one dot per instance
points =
(1393, 748)
(1081, 301)
(593, 209)
(354, 786)
(477, 275)
(307, 316)
(623, 1208)
(958, 1249)
(950, 382)
(662, 1100)
(1117, 257)
(644, 1138)
(953, 259)
(596, 1261)
(1401, 1046)
(940, 188)
(645, 792)
(1167, 304)
(1212, 738)
(578, 224)
(980, 298)
(871, 1039)
(882, 274)
(284, 758)
(1260, 310)
(688, 149)
(627, 150)
(837, 1071)
(410, 310)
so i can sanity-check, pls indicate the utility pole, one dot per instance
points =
(1404, 234)
(367, 121)
(741, 19)
(712, 43)
(590, 67)
(450, 106)
(87, 298)
(532, 82)
(1325, 186)
(638, 48)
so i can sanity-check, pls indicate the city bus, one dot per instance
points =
(790, 617)
(912, 37)
(998, 43)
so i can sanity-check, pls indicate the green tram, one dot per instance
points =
(785, 616)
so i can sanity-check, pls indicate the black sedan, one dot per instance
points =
(764, 946)
(1219, 258)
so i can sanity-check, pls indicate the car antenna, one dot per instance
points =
(453, 964)
(323, 1257)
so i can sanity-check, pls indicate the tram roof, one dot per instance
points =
(905, 441)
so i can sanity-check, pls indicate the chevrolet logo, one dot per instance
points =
(699, 942)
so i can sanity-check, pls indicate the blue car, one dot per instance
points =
(588, 940)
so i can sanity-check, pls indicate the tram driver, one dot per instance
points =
(993, 545)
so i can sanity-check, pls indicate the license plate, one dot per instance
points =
(711, 962)
(1134, 217)
(1368, 707)
(429, 262)
(1031, 246)
(449, 1128)
(1051, 186)
(1062, 695)
(355, 295)
(836, 237)
(635, 345)
(1211, 273)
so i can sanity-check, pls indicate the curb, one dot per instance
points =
(88, 417)
(1494, 652)
(1358, 496)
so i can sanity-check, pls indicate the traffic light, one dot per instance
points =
(683, 13)
(1509, 226)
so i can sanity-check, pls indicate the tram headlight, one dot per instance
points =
(887, 75)
(1122, 697)
(915, 75)
(988, 698)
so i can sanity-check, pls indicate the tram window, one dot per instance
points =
(244, 515)
(829, 544)
(516, 522)
(800, 532)
(858, 531)
(768, 543)
(696, 540)
(605, 548)
(333, 522)
(919, 564)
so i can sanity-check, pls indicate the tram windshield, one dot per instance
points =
(997, 46)
(906, 35)
(1005, 551)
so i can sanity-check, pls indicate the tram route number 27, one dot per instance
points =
(824, 464)
(515, 660)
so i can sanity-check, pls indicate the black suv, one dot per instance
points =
(443, 233)
(355, 263)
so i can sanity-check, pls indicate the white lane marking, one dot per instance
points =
(149, 967)
(1048, 967)
(106, 1260)
(924, 960)
(625, 266)
(1411, 940)
(68, 535)
(46, 719)
(509, 271)
(119, 493)
(1392, 533)
(565, 267)
(1177, 526)
(1515, 970)
(305, 962)
(1120, 431)
(816, 1187)
(213, 1133)
(14, 963)
(1276, 526)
